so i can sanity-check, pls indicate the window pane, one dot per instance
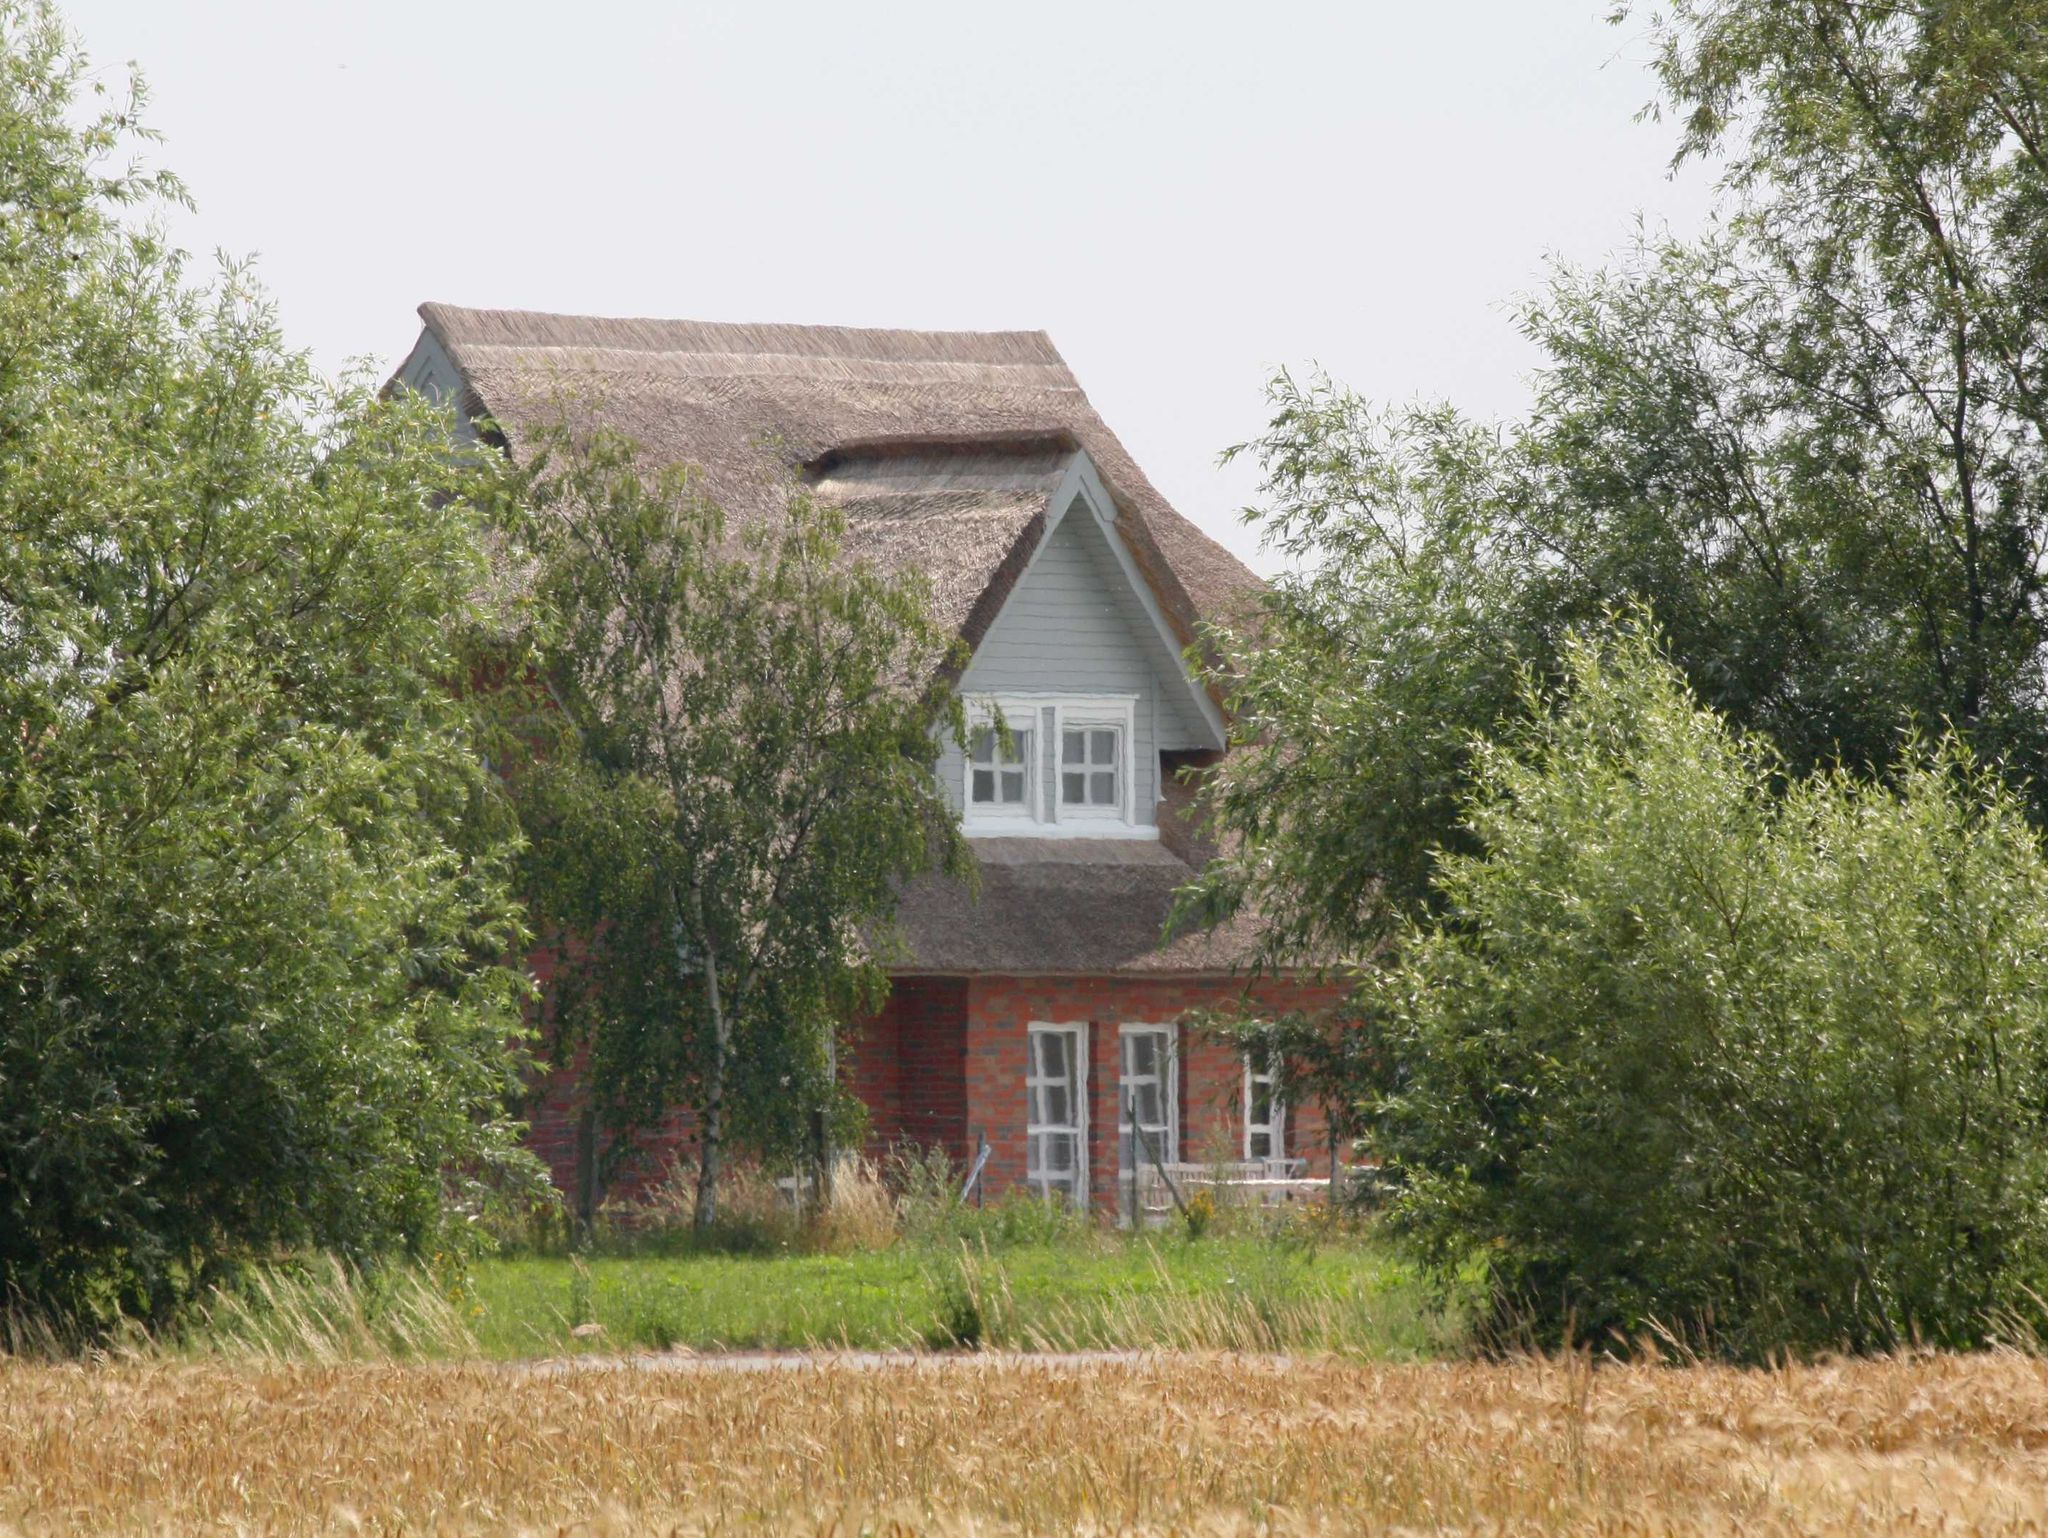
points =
(1261, 1110)
(984, 785)
(1054, 1168)
(985, 747)
(1102, 788)
(1052, 1053)
(1260, 1145)
(1103, 746)
(1053, 1106)
(1073, 747)
(1151, 1111)
(1074, 789)
(1142, 1050)
(1048, 1104)
(1013, 786)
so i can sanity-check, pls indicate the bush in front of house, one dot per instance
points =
(1702, 1049)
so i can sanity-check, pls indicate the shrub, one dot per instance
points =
(1697, 1046)
(255, 876)
(927, 1185)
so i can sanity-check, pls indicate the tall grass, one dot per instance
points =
(324, 1312)
(315, 1311)
(1271, 1307)
(756, 1215)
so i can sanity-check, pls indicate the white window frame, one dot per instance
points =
(1039, 1180)
(1048, 817)
(1116, 716)
(1019, 715)
(1275, 1127)
(1169, 1095)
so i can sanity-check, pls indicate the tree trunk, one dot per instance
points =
(709, 1129)
(827, 1155)
(586, 1173)
(711, 1122)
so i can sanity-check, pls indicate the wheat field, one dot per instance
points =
(1169, 1444)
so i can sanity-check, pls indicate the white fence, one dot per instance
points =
(1238, 1183)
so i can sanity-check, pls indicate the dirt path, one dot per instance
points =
(857, 1361)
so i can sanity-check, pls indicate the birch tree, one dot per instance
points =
(736, 751)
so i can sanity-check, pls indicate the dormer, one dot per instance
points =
(1076, 683)
(1076, 687)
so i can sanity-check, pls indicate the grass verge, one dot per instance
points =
(1227, 1293)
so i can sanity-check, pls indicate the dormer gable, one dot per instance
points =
(1081, 666)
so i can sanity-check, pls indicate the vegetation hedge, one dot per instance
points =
(1697, 1046)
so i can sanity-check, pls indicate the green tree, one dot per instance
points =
(1695, 1046)
(1812, 444)
(254, 886)
(736, 768)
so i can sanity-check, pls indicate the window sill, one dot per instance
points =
(1022, 829)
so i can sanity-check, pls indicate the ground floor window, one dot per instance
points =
(1056, 1120)
(1265, 1118)
(1147, 1084)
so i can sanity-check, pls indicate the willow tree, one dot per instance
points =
(255, 885)
(1813, 443)
(735, 770)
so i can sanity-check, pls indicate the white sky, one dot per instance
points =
(1185, 195)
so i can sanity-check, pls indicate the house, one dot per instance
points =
(1034, 1015)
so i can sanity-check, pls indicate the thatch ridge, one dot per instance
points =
(542, 328)
(915, 445)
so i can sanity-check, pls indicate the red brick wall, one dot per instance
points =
(909, 1066)
(944, 1062)
(555, 1104)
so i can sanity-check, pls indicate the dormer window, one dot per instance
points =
(1065, 768)
(1091, 770)
(1004, 786)
(999, 771)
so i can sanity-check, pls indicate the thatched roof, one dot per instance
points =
(940, 446)
(1077, 906)
(943, 450)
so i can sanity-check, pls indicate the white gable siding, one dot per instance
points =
(429, 370)
(1072, 627)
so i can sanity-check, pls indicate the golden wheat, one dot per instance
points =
(998, 1445)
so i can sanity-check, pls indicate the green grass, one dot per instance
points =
(1242, 1292)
